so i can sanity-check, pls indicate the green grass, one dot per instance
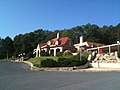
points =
(37, 60)
(6, 60)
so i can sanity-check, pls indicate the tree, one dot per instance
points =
(9, 47)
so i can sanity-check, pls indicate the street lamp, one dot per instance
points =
(118, 42)
(21, 56)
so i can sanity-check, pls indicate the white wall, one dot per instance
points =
(105, 65)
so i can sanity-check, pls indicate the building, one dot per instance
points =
(87, 45)
(106, 48)
(55, 45)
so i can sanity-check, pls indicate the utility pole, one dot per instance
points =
(80, 54)
(81, 41)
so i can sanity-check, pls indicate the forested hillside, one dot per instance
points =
(25, 43)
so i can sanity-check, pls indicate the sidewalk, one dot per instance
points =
(98, 70)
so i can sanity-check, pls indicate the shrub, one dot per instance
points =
(71, 61)
(43, 53)
(67, 53)
(119, 54)
(37, 65)
(59, 54)
(77, 59)
(63, 62)
(49, 63)
(85, 54)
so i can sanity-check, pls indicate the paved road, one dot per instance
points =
(16, 76)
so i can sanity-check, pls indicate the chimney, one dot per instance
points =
(58, 35)
(81, 39)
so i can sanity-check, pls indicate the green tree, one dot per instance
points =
(9, 46)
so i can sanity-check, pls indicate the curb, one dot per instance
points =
(29, 63)
(98, 70)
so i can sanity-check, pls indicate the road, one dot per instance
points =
(17, 76)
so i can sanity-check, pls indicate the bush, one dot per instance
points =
(37, 65)
(49, 63)
(59, 54)
(67, 53)
(85, 54)
(72, 61)
(119, 54)
(64, 62)
(43, 53)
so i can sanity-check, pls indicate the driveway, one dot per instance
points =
(17, 76)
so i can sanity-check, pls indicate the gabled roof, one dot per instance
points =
(62, 41)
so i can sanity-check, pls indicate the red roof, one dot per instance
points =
(91, 44)
(62, 41)
(42, 44)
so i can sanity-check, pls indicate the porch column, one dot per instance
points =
(55, 52)
(61, 49)
(49, 52)
(98, 50)
(109, 49)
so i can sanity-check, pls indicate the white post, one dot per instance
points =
(61, 49)
(109, 49)
(118, 42)
(54, 52)
(98, 50)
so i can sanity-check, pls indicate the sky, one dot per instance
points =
(24, 16)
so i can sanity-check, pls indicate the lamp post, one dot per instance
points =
(21, 56)
(118, 42)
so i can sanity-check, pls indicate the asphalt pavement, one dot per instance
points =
(17, 76)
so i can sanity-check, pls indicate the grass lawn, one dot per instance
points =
(37, 60)
(6, 60)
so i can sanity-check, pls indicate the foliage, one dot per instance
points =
(30, 55)
(7, 60)
(43, 53)
(67, 53)
(6, 48)
(68, 62)
(59, 54)
(36, 61)
(26, 43)
(119, 54)
(71, 61)
(58, 61)
(49, 63)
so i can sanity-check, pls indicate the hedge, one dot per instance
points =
(59, 54)
(64, 62)
(71, 61)
(49, 63)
